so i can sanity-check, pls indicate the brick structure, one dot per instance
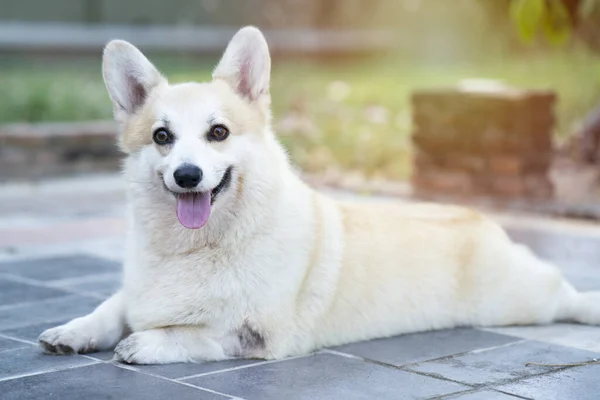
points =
(36, 151)
(495, 143)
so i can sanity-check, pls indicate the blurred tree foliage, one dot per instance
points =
(557, 20)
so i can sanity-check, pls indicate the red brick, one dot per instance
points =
(493, 139)
(426, 161)
(435, 144)
(422, 160)
(538, 186)
(468, 163)
(443, 181)
(508, 186)
(506, 165)
(538, 162)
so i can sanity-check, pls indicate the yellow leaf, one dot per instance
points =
(527, 16)
(556, 22)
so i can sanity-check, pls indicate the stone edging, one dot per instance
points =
(35, 151)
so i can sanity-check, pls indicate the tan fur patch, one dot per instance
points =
(137, 130)
(465, 279)
(240, 189)
(386, 227)
(316, 247)
(318, 233)
(137, 133)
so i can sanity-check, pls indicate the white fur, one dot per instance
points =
(279, 269)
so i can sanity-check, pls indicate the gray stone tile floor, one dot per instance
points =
(50, 272)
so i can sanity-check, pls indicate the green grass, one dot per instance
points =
(346, 115)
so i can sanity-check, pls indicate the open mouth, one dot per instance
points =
(193, 208)
(224, 184)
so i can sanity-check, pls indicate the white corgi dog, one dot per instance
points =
(229, 255)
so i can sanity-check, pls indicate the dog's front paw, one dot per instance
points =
(68, 339)
(149, 347)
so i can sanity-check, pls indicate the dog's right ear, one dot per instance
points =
(129, 77)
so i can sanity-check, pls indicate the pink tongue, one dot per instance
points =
(193, 209)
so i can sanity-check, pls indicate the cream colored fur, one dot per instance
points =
(280, 270)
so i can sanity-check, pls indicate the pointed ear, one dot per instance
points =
(129, 77)
(246, 64)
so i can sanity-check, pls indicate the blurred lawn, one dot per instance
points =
(342, 115)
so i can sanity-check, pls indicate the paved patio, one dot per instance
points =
(60, 248)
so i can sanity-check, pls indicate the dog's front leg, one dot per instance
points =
(170, 345)
(100, 330)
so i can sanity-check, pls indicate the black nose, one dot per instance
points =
(187, 176)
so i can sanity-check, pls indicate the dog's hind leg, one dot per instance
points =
(100, 330)
(555, 298)
(519, 288)
(582, 307)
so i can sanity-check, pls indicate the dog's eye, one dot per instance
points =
(161, 136)
(218, 133)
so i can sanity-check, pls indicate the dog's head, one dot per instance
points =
(192, 141)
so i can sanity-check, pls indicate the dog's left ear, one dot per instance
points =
(246, 64)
